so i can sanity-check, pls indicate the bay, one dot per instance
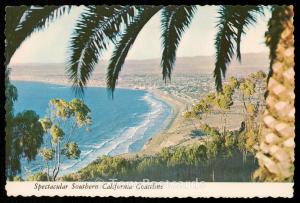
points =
(120, 125)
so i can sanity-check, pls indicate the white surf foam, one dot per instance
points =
(123, 141)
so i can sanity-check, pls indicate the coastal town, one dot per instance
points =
(181, 93)
(119, 98)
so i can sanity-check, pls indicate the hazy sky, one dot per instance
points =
(50, 45)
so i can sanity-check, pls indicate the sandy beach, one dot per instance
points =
(176, 131)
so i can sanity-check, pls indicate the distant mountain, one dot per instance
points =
(190, 65)
(199, 64)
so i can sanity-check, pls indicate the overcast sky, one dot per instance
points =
(50, 45)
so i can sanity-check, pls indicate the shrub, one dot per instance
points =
(39, 176)
(17, 178)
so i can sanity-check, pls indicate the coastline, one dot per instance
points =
(165, 137)
(162, 139)
(176, 131)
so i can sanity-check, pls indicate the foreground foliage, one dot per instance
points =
(60, 125)
(97, 27)
(23, 132)
(216, 159)
(233, 20)
(247, 92)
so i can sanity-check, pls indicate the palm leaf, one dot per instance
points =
(29, 20)
(245, 16)
(232, 22)
(224, 44)
(97, 26)
(174, 21)
(124, 44)
(13, 16)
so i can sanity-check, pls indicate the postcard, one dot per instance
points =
(149, 100)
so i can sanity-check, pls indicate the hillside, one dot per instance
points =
(251, 62)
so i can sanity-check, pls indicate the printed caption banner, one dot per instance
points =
(150, 189)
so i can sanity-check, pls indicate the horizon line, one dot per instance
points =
(146, 59)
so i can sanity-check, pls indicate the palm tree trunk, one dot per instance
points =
(276, 153)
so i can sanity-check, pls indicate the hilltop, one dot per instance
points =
(251, 62)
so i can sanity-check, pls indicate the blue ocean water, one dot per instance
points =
(120, 125)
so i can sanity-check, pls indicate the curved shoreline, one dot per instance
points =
(176, 131)
(158, 140)
(161, 138)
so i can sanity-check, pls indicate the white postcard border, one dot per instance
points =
(149, 189)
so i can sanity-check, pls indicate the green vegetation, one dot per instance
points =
(222, 155)
(216, 159)
(24, 133)
(249, 91)
(252, 90)
(61, 123)
(39, 176)
(94, 32)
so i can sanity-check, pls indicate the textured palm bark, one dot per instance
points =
(276, 150)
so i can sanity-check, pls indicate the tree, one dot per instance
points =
(27, 138)
(28, 133)
(11, 161)
(278, 118)
(22, 21)
(100, 25)
(259, 78)
(223, 102)
(230, 142)
(61, 123)
(23, 132)
(276, 154)
(247, 89)
(200, 108)
(252, 90)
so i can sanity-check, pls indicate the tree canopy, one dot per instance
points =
(61, 123)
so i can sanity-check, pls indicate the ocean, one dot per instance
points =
(120, 125)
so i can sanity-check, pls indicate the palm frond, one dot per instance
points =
(124, 44)
(231, 25)
(41, 17)
(245, 16)
(13, 16)
(29, 20)
(95, 29)
(174, 21)
(224, 44)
